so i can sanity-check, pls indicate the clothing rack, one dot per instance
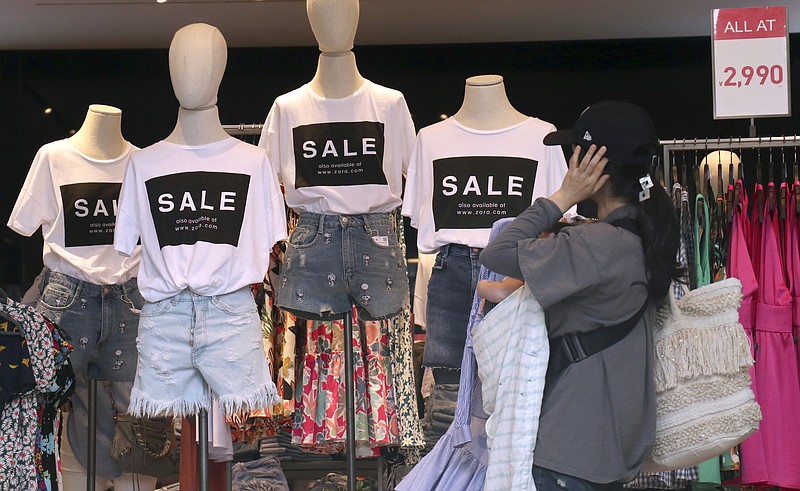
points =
(711, 144)
(254, 129)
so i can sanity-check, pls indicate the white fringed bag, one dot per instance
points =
(704, 403)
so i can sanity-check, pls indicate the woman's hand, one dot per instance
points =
(584, 177)
(497, 291)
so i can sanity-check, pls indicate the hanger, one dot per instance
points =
(759, 196)
(796, 181)
(784, 191)
(684, 170)
(771, 184)
(676, 190)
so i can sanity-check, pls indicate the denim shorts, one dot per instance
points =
(450, 291)
(189, 343)
(101, 322)
(335, 261)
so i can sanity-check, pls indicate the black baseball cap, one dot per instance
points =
(623, 128)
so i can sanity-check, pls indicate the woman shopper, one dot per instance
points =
(597, 282)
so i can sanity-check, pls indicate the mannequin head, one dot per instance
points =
(197, 59)
(719, 164)
(334, 23)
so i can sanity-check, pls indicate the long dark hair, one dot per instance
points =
(658, 226)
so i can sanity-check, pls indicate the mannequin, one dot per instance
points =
(334, 24)
(207, 348)
(486, 106)
(347, 194)
(100, 136)
(82, 175)
(721, 160)
(373, 129)
(454, 199)
(197, 59)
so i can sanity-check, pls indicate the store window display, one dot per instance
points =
(86, 287)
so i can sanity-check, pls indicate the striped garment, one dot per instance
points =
(512, 350)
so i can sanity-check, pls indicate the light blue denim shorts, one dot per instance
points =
(333, 262)
(191, 343)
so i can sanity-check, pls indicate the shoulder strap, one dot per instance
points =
(572, 348)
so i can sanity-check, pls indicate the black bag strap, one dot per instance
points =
(572, 348)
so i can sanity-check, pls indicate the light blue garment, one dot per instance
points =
(512, 351)
(458, 460)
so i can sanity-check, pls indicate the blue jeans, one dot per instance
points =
(450, 291)
(547, 480)
(101, 322)
(335, 261)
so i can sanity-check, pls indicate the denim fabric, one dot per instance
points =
(102, 323)
(450, 291)
(547, 480)
(334, 261)
(189, 343)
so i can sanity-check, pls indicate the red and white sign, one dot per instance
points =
(751, 62)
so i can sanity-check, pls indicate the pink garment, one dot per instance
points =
(740, 266)
(792, 255)
(776, 366)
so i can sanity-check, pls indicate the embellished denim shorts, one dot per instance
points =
(189, 343)
(333, 262)
(101, 322)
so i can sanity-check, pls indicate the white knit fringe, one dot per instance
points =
(262, 398)
(143, 406)
(688, 353)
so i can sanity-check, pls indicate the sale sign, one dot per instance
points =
(751, 62)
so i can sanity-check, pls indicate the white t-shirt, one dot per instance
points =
(74, 199)
(340, 156)
(207, 217)
(462, 180)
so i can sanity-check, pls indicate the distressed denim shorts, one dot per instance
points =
(190, 343)
(451, 287)
(101, 322)
(335, 261)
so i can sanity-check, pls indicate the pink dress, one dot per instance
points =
(741, 266)
(793, 244)
(776, 367)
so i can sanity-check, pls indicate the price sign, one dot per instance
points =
(751, 62)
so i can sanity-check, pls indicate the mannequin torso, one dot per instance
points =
(486, 106)
(197, 59)
(100, 136)
(334, 24)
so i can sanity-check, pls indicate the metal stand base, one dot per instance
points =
(91, 460)
(202, 449)
(350, 410)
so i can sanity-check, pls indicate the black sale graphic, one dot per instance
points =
(475, 191)
(192, 207)
(90, 211)
(338, 154)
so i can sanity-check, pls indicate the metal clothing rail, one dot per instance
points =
(710, 144)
